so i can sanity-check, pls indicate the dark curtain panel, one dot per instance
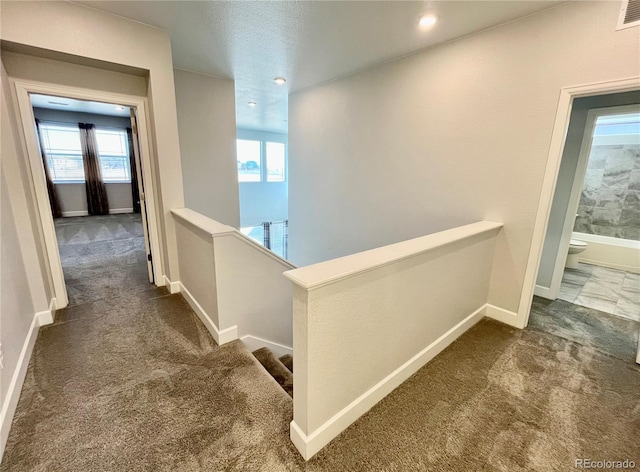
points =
(96, 191)
(135, 190)
(53, 195)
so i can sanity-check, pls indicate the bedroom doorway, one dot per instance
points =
(94, 189)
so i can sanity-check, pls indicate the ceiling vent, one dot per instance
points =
(629, 14)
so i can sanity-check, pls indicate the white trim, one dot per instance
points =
(254, 244)
(114, 211)
(221, 337)
(623, 12)
(544, 292)
(253, 342)
(577, 186)
(117, 211)
(17, 380)
(309, 445)
(572, 204)
(69, 214)
(502, 315)
(551, 176)
(215, 229)
(174, 287)
(46, 317)
(25, 115)
(324, 273)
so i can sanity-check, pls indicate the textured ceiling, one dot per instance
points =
(308, 42)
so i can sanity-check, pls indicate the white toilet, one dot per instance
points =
(575, 248)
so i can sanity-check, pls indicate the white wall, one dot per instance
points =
(566, 176)
(455, 134)
(263, 201)
(72, 196)
(23, 291)
(197, 267)
(366, 322)
(108, 43)
(234, 284)
(207, 124)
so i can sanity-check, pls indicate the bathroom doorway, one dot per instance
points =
(594, 200)
(603, 265)
(588, 283)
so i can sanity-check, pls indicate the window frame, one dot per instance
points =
(51, 156)
(264, 138)
(126, 157)
(74, 126)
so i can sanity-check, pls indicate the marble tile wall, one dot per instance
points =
(610, 201)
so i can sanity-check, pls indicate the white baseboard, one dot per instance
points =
(309, 445)
(222, 337)
(112, 211)
(67, 214)
(45, 317)
(253, 342)
(17, 380)
(502, 315)
(544, 292)
(117, 211)
(174, 287)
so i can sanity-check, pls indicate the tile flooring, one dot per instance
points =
(609, 290)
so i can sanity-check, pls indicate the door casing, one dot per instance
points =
(37, 182)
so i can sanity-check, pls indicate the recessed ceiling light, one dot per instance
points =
(280, 80)
(252, 104)
(119, 108)
(428, 20)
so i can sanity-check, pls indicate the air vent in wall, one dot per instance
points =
(629, 14)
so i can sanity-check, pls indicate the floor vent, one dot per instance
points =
(629, 14)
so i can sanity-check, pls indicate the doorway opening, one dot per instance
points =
(588, 282)
(89, 153)
(90, 163)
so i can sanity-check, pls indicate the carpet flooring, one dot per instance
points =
(101, 256)
(136, 383)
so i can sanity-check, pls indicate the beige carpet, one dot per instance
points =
(136, 383)
(497, 399)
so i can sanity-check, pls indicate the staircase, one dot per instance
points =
(281, 369)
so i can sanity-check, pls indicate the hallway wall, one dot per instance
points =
(24, 290)
(207, 123)
(456, 134)
(116, 48)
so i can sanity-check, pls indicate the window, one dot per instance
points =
(62, 144)
(114, 155)
(275, 162)
(64, 153)
(249, 161)
(261, 161)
